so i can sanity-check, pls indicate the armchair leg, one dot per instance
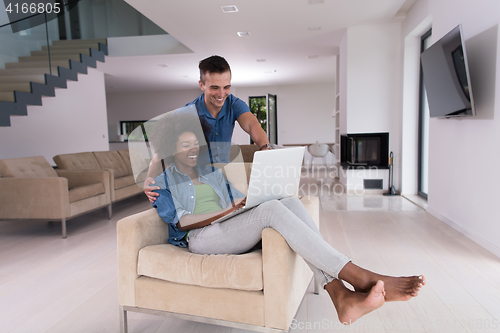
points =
(316, 286)
(123, 320)
(63, 226)
(110, 211)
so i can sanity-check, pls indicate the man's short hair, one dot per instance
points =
(213, 64)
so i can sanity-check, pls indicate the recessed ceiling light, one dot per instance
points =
(313, 28)
(229, 9)
(313, 56)
(261, 60)
(315, 2)
(243, 33)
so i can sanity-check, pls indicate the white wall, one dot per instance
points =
(304, 113)
(144, 105)
(370, 76)
(73, 121)
(463, 153)
(144, 46)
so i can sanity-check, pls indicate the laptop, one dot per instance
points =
(275, 175)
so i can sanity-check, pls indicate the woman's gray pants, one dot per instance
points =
(288, 217)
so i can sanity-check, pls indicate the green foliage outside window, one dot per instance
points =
(258, 108)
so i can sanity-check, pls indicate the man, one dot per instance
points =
(220, 109)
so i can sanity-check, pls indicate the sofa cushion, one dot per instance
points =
(175, 264)
(124, 182)
(77, 161)
(27, 167)
(86, 191)
(112, 160)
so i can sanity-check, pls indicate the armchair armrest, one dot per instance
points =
(135, 232)
(111, 183)
(34, 198)
(286, 275)
(86, 177)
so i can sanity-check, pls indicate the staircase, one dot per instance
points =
(25, 82)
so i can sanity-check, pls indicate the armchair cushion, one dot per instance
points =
(124, 182)
(26, 167)
(84, 192)
(172, 263)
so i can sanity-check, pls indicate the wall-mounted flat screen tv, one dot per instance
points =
(446, 77)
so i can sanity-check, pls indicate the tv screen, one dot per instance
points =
(446, 77)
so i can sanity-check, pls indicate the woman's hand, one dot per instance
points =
(239, 203)
(148, 189)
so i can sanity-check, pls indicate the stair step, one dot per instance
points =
(10, 87)
(80, 41)
(27, 71)
(7, 96)
(38, 64)
(71, 47)
(65, 51)
(22, 78)
(52, 58)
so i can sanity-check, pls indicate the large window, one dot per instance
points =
(423, 128)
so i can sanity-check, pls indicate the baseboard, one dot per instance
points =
(472, 236)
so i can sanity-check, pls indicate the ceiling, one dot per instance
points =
(299, 40)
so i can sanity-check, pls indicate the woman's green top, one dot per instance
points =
(207, 200)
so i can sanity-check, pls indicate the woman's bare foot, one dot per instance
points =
(397, 288)
(352, 305)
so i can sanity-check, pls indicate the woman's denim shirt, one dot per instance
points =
(177, 196)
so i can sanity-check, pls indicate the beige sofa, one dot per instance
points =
(117, 163)
(260, 290)
(30, 188)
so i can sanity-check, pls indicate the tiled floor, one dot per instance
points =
(49, 284)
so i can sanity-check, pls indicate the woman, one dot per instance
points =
(192, 196)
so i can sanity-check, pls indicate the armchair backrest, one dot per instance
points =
(27, 167)
(112, 160)
(77, 161)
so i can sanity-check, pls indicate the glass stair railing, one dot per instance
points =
(41, 52)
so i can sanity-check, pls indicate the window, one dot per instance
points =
(127, 126)
(423, 127)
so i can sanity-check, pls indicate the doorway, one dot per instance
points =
(264, 108)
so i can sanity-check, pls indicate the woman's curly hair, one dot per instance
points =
(170, 126)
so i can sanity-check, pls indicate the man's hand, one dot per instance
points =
(148, 189)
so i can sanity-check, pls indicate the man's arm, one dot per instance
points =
(251, 125)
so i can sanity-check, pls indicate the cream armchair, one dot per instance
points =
(260, 290)
(31, 189)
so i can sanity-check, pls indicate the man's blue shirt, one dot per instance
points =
(178, 198)
(222, 126)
